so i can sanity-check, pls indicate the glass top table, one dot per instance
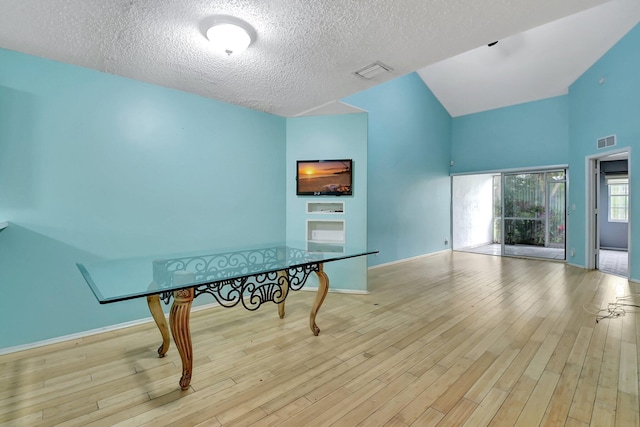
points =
(249, 276)
(127, 278)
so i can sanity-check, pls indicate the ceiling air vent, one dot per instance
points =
(372, 70)
(607, 141)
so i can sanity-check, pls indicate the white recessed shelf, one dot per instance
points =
(325, 235)
(325, 207)
(325, 231)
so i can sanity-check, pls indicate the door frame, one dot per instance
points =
(592, 201)
(502, 172)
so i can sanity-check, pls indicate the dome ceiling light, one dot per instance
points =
(230, 35)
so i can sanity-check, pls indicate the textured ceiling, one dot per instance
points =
(305, 53)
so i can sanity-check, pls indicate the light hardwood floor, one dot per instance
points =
(450, 339)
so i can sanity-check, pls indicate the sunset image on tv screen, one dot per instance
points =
(327, 177)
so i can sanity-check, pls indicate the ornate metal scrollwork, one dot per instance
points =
(249, 277)
(298, 275)
(166, 296)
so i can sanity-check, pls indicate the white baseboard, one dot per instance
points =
(576, 265)
(339, 291)
(409, 259)
(83, 334)
(75, 336)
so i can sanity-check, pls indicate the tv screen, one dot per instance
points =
(324, 177)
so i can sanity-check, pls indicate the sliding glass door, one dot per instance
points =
(514, 214)
(534, 207)
(556, 210)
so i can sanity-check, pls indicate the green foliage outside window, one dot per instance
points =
(525, 199)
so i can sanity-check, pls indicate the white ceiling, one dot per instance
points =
(306, 51)
(532, 65)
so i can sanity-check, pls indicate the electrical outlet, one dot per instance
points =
(446, 242)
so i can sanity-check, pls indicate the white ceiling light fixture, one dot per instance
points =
(230, 35)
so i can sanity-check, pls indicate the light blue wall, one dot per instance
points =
(409, 192)
(331, 137)
(601, 109)
(526, 135)
(94, 165)
(564, 130)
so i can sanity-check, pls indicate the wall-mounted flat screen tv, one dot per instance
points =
(324, 177)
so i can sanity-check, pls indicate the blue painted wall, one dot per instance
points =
(601, 109)
(94, 165)
(564, 130)
(409, 148)
(331, 137)
(526, 135)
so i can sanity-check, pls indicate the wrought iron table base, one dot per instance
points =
(181, 309)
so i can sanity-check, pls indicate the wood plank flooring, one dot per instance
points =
(453, 339)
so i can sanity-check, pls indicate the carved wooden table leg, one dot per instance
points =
(158, 315)
(283, 280)
(323, 288)
(179, 320)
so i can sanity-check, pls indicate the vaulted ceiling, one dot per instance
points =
(306, 52)
(532, 65)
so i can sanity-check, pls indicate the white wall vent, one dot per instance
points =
(607, 141)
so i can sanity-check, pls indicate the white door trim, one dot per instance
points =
(592, 190)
